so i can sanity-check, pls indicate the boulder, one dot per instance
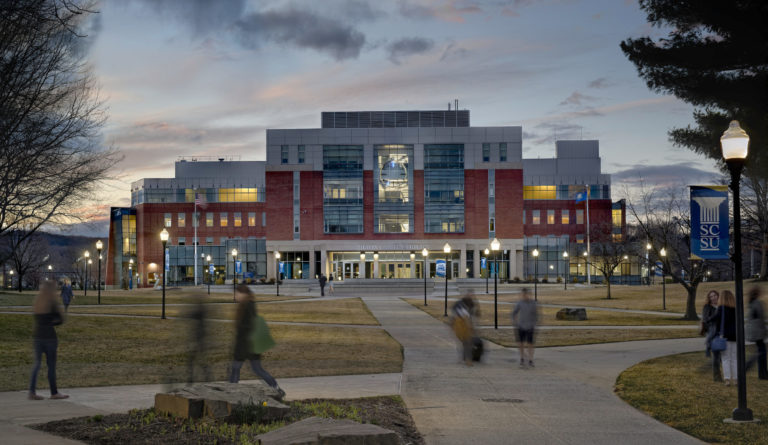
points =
(319, 431)
(572, 314)
(219, 399)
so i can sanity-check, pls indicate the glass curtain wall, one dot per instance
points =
(251, 252)
(444, 188)
(393, 188)
(550, 263)
(343, 188)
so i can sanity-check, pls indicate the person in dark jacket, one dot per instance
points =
(756, 332)
(322, 280)
(244, 321)
(47, 315)
(726, 316)
(707, 326)
(66, 294)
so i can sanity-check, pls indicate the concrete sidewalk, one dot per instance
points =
(567, 399)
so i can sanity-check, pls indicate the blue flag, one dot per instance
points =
(581, 196)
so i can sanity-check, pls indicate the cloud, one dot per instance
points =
(446, 10)
(301, 29)
(201, 16)
(359, 10)
(408, 46)
(453, 51)
(665, 175)
(600, 82)
(577, 98)
(549, 132)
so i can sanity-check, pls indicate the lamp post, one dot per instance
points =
(50, 271)
(735, 145)
(648, 260)
(234, 273)
(164, 240)
(486, 269)
(130, 273)
(11, 274)
(210, 274)
(536, 274)
(586, 267)
(424, 254)
(99, 246)
(663, 254)
(277, 271)
(447, 250)
(495, 245)
(567, 266)
(85, 273)
(623, 279)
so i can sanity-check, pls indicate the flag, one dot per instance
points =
(581, 196)
(197, 199)
(200, 200)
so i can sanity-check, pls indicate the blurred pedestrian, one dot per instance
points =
(756, 332)
(47, 315)
(322, 281)
(252, 339)
(330, 284)
(726, 327)
(524, 317)
(66, 294)
(198, 355)
(462, 313)
(707, 322)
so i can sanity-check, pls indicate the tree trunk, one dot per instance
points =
(20, 277)
(690, 305)
(608, 280)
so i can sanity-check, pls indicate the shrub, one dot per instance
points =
(516, 279)
(559, 279)
(545, 280)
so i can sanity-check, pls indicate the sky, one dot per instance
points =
(207, 78)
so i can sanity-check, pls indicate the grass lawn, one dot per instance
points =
(344, 311)
(678, 390)
(142, 296)
(547, 316)
(624, 297)
(570, 337)
(95, 351)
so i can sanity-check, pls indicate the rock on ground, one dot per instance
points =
(219, 399)
(572, 314)
(319, 431)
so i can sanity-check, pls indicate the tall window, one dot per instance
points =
(238, 221)
(443, 188)
(343, 188)
(565, 217)
(550, 216)
(536, 217)
(503, 152)
(251, 219)
(486, 152)
(491, 224)
(168, 220)
(181, 220)
(579, 216)
(208, 219)
(393, 188)
(283, 154)
(302, 154)
(223, 219)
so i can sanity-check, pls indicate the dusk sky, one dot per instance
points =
(206, 78)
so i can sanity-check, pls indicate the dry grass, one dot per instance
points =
(678, 390)
(625, 297)
(96, 351)
(547, 316)
(570, 337)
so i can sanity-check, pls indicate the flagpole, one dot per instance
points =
(195, 222)
(589, 277)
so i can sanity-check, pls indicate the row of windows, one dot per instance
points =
(502, 152)
(210, 219)
(565, 217)
(565, 191)
(164, 195)
(302, 150)
(301, 154)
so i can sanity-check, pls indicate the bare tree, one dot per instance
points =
(51, 158)
(608, 252)
(754, 205)
(28, 255)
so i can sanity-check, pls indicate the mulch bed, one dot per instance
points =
(147, 427)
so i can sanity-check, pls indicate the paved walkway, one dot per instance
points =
(567, 399)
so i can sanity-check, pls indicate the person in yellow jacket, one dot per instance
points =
(462, 313)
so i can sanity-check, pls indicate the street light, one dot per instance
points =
(447, 250)
(164, 240)
(85, 273)
(536, 274)
(486, 269)
(11, 273)
(623, 278)
(586, 267)
(99, 246)
(424, 254)
(735, 144)
(234, 272)
(567, 266)
(130, 273)
(648, 260)
(663, 254)
(50, 271)
(277, 271)
(495, 245)
(210, 273)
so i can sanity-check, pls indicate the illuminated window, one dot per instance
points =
(616, 237)
(539, 192)
(167, 220)
(565, 217)
(536, 217)
(579, 216)
(492, 224)
(238, 219)
(181, 220)
(209, 219)
(616, 217)
(503, 152)
(579, 239)
(251, 219)
(550, 216)
(238, 195)
(223, 219)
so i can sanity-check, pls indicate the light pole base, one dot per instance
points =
(741, 415)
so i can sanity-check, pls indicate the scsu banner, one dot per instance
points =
(709, 222)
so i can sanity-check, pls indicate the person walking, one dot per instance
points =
(756, 333)
(66, 294)
(198, 337)
(726, 327)
(47, 315)
(709, 327)
(524, 317)
(322, 281)
(251, 339)
(462, 313)
(330, 284)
